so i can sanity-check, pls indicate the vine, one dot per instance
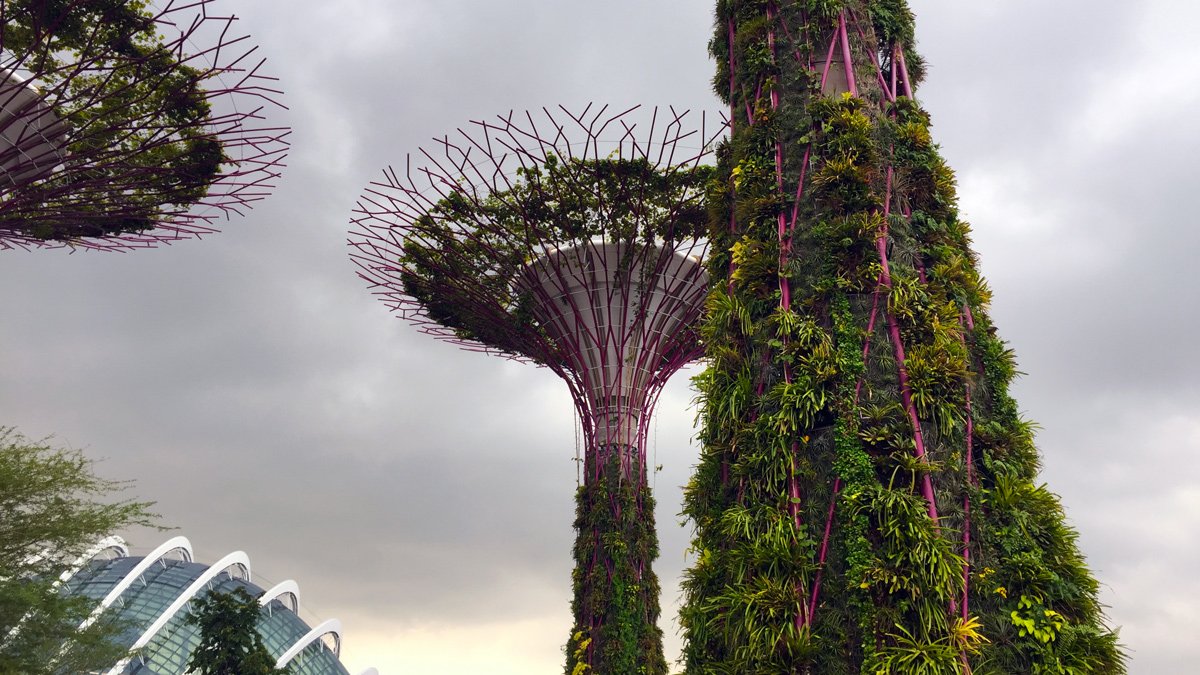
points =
(834, 508)
(615, 602)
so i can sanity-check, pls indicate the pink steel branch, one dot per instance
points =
(896, 83)
(84, 169)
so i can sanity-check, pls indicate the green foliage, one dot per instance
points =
(802, 409)
(460, 258)
(893, 22)
(229, 639)
(615, 604)
(137, 113)
(53, 508)
(826, 9)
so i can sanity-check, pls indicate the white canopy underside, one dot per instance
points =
(33, 140)
(619, 313)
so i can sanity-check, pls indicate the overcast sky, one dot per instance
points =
(254, 389)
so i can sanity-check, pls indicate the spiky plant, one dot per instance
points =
(866, 498)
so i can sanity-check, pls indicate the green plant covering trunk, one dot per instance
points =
(865, 500)
(616, 591)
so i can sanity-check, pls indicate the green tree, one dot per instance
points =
(229, 639)
(53, 508)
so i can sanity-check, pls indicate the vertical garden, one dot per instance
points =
(866, 498)
(615, 601)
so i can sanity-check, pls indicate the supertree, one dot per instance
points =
(573, 240)
(125, 123)
(865, 499)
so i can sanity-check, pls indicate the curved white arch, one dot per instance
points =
(172, 544)
(237, 558)
(103, 545)
(331, 626)
(288, 587)
(369, 671)
(90, 554)
(73, 569)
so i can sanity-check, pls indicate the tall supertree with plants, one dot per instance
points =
(866, 498)
(573, 240)
(128, 123)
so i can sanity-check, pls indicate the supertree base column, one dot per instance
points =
(615, 605)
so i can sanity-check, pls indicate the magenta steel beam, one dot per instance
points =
(86, 121)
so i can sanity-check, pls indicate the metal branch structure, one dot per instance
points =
(865, 499)
(125, 126)
(573, 240)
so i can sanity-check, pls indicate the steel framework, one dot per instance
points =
(573, 240)
(125, 128)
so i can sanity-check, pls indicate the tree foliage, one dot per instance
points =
(53, 509)
(229, 640)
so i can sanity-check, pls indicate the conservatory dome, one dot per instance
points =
(154, 594)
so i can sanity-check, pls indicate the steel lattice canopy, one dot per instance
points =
(574, 240)
(135, 126)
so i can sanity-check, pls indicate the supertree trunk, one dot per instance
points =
(615, 604)
(865, 498)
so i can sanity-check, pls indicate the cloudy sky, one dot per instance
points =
(255, 390)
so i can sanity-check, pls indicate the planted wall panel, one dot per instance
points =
(866, 498)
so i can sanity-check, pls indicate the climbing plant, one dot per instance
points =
(460, 256)
(866, 497)
(615, 600)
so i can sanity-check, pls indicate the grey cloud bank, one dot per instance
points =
(254, 388)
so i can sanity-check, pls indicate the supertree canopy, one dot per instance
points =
(866, 498)
(125, 123)
(573, 241)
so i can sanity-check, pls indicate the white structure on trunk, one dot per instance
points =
(33, 140)
(618, 311)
